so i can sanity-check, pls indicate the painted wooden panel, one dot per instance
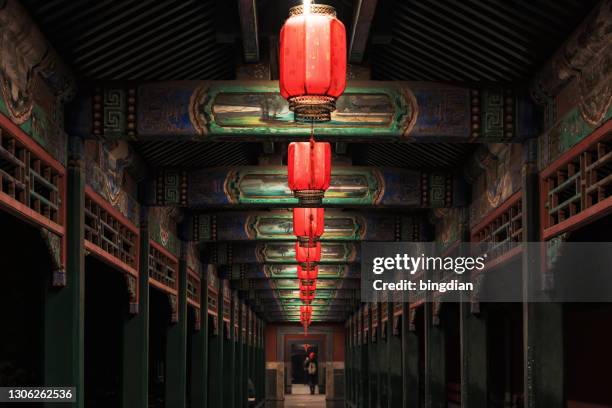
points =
(350, 186)
(252, 110)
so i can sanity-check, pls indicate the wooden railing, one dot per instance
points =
(163, 269)
(109, 235)
(503, 229)
(32, 183)
(577, 187)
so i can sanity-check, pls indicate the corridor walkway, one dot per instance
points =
(301, 397)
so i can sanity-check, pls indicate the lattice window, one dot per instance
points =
(162, 268)
(503, 229)
(109, 233)
(578, 183)
(29, 179)
(507, 226)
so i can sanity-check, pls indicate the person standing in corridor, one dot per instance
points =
(311, 369)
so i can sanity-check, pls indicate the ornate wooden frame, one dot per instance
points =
(582, 173)
(33, 166)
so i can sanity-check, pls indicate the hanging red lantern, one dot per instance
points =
(308, 225)
(312, 61)
(308, 255)
(306, 295)
(306, 312)
(308, 275)
(309, 172)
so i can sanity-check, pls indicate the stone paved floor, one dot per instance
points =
(301, 397)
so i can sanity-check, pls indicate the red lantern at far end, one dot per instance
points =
(309, 171)
(312, 61)
(308, 225)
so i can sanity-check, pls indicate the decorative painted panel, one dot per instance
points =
(277, 225)
(106, 173)
(163, 228)
(350, 186)
(280, 253)
(238, 110)
(498, 177)
(33, 80)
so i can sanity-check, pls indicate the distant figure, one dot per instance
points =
(311, 368)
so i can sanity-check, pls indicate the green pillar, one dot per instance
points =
(364, 398)
(435, 358)
(64, 307)
(199, 344)
(474, 358)
(411, 378)
(135, 389)
(215, 358)
(228, 360)
(348, 365)
(176, 348)
(394, 350)
(240, 378)
(542, 322)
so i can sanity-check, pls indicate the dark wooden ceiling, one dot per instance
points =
(409, 40)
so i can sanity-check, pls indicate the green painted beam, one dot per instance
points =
(266, 186)
(277, 225)
(254, 110)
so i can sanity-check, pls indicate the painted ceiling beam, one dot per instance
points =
(360, 29)
(254, 271)
(277, 225)
(266, 186)
(255, 111)
(279, 253)
(247, 9)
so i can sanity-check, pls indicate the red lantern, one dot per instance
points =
(306, 312)
(308, 225)
(306, 295)
(309, 171)
(308, 275)
(308, 255)
(312, 61)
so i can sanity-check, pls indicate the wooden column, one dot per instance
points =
(215, 374)
(241, 397)
(374, 359)
(473, 343)
(435, 359)
(395, 353)
(229, 373)
(364, 397)
(474, 358)
(411, 378)
(176, 348)
(199, 378)
(135, 381)
(64, 307)
(542, 322)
